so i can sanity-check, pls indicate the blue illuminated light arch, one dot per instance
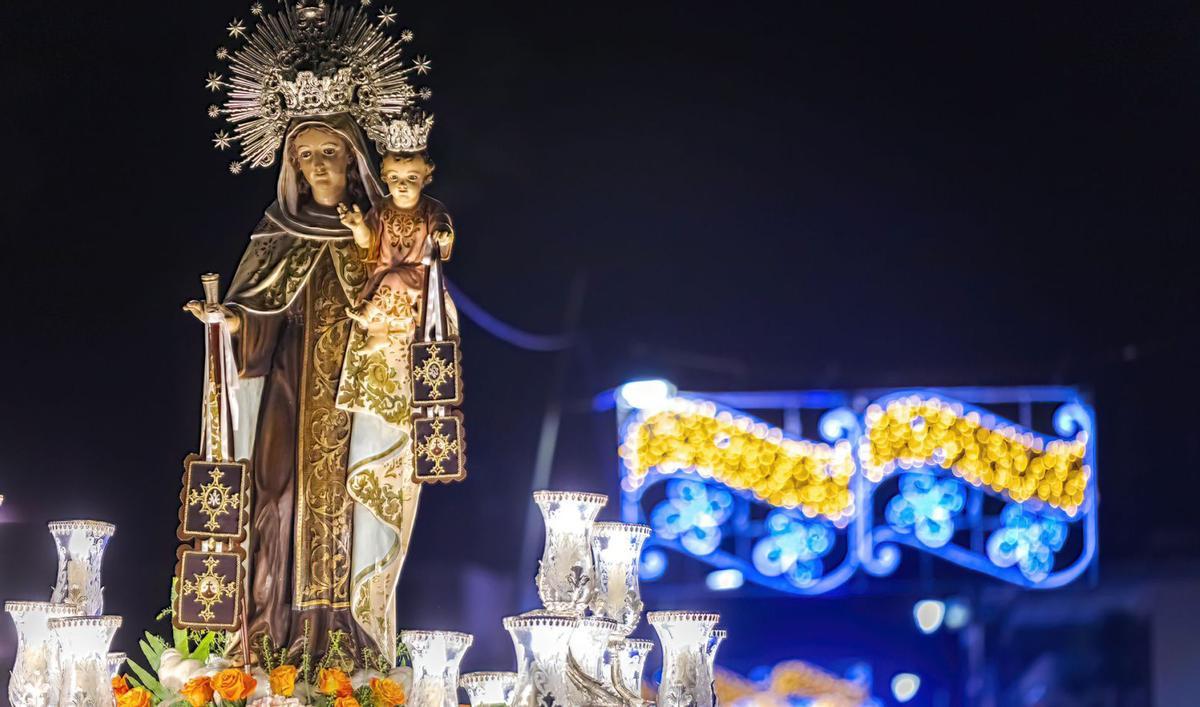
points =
(932, 470)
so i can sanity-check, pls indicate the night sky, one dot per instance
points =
(752, 195)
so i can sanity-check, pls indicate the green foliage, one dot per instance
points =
(340, 653)
(364, 695)
(152, 647)
(206, 644)
(306, 659)
(269, 657)
(403, 659)
(373, 660)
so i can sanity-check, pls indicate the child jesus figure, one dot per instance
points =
(400, 234)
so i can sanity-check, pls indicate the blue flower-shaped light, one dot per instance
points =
(793, 547)
(926, 507)
(693, 513)
(1028, 541)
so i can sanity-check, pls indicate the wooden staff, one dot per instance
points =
(214, 403)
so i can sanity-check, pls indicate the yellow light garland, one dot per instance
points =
(742, 454)
(790, 679)
(918, 431)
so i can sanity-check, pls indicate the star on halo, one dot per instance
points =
(366, 3)
(406, 35)
(425, 93)
(222, 140)
(235, 167)
(422, 64)
(222, 53)
(215, 82)
(214, 111)
(387, 16)
(237, 28)
(256, 9)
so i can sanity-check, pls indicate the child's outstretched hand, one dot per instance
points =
(352, 218)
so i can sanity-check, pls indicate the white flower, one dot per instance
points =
(275, 701)
(403, 677)
(363, 678)
(174, 670)
(214, 665)
(263, 688)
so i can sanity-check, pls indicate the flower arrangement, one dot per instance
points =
(193, 671)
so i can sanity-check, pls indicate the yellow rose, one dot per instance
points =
(233, 684)
(198, 691)
(120, 685)
(331, 681)
(347, 701)
(137, 697)
(283, 680)
(387, 693)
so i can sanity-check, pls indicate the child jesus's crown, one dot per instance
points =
(409, 133)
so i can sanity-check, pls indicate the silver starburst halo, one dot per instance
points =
(408, 133)
(317, 58)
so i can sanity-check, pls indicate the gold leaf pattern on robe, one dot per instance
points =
(323, 505)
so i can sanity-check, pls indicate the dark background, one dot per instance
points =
(756, 195)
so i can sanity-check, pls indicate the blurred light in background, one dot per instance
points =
(653, 564)
(646, 394)
(724, 580)
(929, 614)
(693, 513)
(905, 686)
(958, 613)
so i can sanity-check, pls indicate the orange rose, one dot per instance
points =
(233, 684)
(331, 681)
(137, 697)
(120, 685)
(388, 693)
(198, 691)
(347, 701)
(283, 680)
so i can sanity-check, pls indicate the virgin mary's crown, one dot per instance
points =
(315, 58)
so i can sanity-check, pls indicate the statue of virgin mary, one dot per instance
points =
(325, 426)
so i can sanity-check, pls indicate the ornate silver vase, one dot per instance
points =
(714, 643)
(31, 681)
(542, 644)
(489, 689)
(436, 657)
(80, 545)
(81, 674)
(629, 663)
(565, 574)
(116, 661)
(687, 680)
(589, 669)
(616, 552)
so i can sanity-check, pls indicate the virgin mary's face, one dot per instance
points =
(324, 159)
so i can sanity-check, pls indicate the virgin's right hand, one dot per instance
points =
(209, 313)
